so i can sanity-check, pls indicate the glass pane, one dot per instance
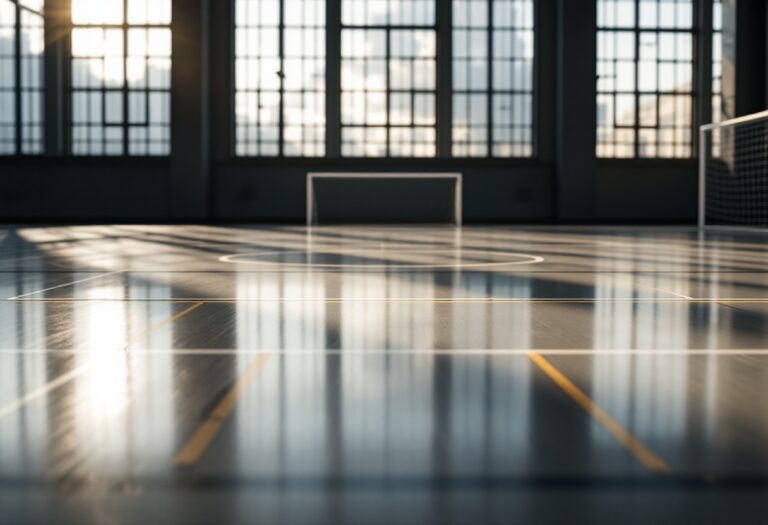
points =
(717, 61)
(34, 5)
(31, 82)
(153, 12)
(388, 12)
(97, 12)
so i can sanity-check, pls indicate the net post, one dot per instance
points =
(703, 154)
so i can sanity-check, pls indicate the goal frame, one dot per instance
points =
(458, 178)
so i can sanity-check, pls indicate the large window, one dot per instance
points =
(388, 79)
(121, 77)
(22, 42)
(280, 80)
(385, 76)
(493, 49)
(645, 78)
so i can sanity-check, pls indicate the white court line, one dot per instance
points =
(238, 258)
(65, 285)
(681, 296)
(638, 352)
(42, 391)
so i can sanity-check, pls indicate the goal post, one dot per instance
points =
(733, 174)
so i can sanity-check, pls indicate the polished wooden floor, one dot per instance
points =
(360, 375)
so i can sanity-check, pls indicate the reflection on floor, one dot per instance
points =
(382, 375)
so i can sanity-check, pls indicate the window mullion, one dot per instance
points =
(388, 87)
(444, 114)
(703, 64)
(125, 83)
(333, 78)
(489, 72)
(281, 76)
(637, 82)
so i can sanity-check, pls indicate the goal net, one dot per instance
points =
(733, 173)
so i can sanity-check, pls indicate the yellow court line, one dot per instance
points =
(633, 445)
(73, 374)
(161, 324)
(43, 390)
(201, 440)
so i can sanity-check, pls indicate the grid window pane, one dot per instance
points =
(156, 12)
(388, 12)
(31, 82)
(280, 78)
(8, 80)
(97, 12)
(22, 44)
(645, 78)
(121, 77)
(388, 79)
(493, 61)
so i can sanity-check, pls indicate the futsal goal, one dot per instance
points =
(384, 198)
(733, 174)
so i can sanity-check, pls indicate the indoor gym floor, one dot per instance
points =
(398, 375)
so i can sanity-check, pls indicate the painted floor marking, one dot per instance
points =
(206, 433)
(624, 437)
(99, 276)
(73, 374)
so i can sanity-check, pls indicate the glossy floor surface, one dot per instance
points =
(382, 375)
